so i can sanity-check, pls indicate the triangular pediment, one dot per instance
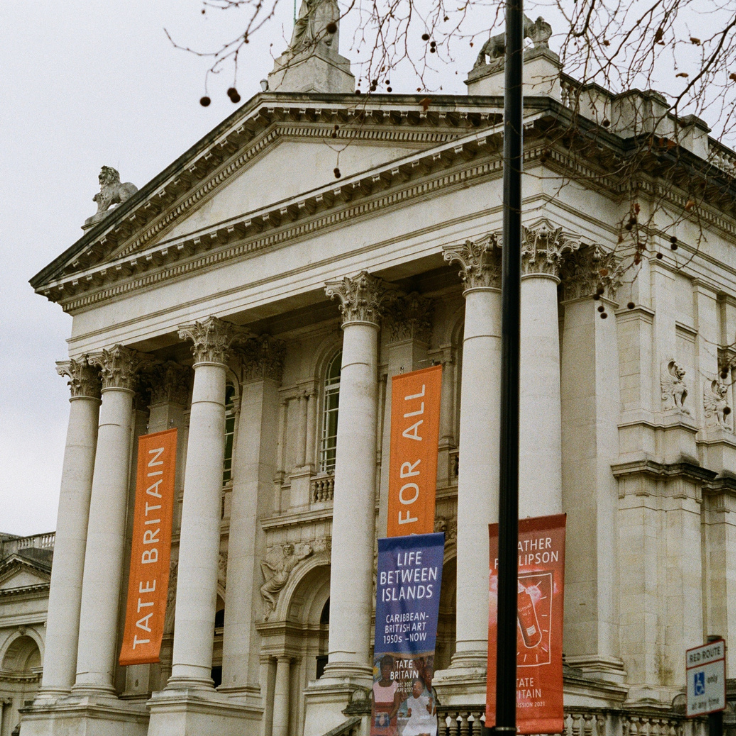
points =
(16, 573)
(277, 147)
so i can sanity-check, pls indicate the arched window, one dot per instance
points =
(227, 466)
(331, 401)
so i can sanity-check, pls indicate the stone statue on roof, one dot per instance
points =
(318, 22)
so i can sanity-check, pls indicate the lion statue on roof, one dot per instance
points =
(112, 192)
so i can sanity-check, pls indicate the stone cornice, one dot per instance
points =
(444, 167)
(220, 154)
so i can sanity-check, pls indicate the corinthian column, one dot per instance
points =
(354, 516)
(103, 562)
(477, 496)
(540, 413)
(65, 597)
(254, 465)
(199, 545)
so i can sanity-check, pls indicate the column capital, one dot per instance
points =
(589, 272)
(544, 248)
(168, 383)
(119, 366)
(410, 318)
(84, 377)
(479, 261)
(262, 357)
(211, 339)
(362, 297)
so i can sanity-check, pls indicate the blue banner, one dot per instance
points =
(408, 582)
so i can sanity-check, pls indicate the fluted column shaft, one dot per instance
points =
(103, 563)
(354, 515)
(199, 545)
(65, 596)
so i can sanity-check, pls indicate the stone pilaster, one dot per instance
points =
(199, 544)
(65, 596)
(464, 681)
(104, 557)
(254, 465)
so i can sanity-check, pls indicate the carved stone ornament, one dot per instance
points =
(168, 383)
(362, 298)
(539, 31)
(448, 526)
(544, 248)
(84, 377)
(480, 262)
(410, 318)
(222, 570)
(112, 192)
(313, 25)
(119, 367)
(211, 339)
(715, 404)
(589, 271)
(277, 566)
(263, 357)
(674, 390)
(171, 598)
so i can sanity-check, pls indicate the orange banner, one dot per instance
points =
(415, 430)
(149, 558)
(539, 625)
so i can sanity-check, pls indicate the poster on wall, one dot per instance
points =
(148, 583)
(415, 431)
(539, 625)
(408, 582)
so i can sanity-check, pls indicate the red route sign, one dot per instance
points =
(539, 625)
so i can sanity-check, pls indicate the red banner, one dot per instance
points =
(149, 558)
(415, 431)
(539, 630)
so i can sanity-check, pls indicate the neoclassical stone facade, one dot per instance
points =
(259, 305)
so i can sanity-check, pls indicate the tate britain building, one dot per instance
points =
(259, 301)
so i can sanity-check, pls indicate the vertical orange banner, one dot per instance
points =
(539, 625)
(415, 431)
(149, 558)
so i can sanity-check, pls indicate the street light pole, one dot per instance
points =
(508, 527)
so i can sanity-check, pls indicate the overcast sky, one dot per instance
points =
(86, 84)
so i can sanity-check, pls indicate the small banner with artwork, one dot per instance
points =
(415, 430)
(539, 625)
(408, 584)
(151, 550)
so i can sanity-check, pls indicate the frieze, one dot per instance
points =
(363, 298)
(409, 318)
(84, 377)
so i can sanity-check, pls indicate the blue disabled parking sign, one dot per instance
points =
(705, 668)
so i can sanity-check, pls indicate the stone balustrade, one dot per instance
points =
(322, 489)
(579, 721)
(37, 541)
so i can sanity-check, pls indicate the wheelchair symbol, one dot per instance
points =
(699, 683)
